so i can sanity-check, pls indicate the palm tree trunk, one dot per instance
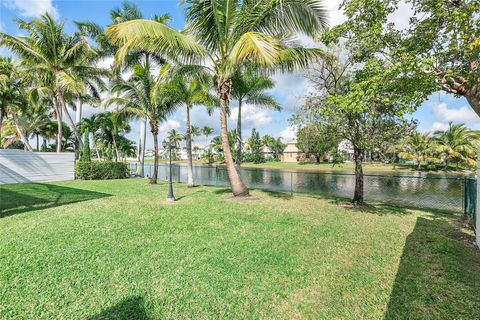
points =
(189, 150)
(358, 194)
(72, 125)
(58, 115)
(141, 148)
(154, 130)
(22, 134)
(38, 146)
(238, 160)
(117, 157)
(236, 183)
(2, 115)
(78, 113)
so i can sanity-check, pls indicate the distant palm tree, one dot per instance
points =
(227, 36)
(249, 87)
(146, 97)
(113, 124)
(457, 143)
(417, 146)
(175, 136)
(149, 60)
(206, 132)
(59, 63)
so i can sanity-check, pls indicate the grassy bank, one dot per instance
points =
(329, 167)
(116, 250)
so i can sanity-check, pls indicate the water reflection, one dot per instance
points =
(418, 189)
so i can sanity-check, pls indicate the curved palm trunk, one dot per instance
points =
(189, 150)
(238, 160)
(73, 126)
(78, 119)
(236, 183)
(358, 194)
(154, 130)
(58, 116)
(141, 148)
(22, 134)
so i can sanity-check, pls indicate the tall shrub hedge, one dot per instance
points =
(101, 170)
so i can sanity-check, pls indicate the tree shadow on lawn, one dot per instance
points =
(20, 198)
(128, 309)
(438, 275)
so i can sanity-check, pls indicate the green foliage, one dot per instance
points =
(100, 170)
(317, 139)
(255, 148)
(85, 154)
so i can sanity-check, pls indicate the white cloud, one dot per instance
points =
(292, 87)
(289, 134)
(32, 8)
(251, 117)
(445, 114)
(335, 15)
(439, 126)
(169, 125)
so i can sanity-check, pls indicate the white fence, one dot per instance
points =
(18, 166)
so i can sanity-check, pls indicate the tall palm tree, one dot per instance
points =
(149, 60)
(146, 97)
(191, 93)
(249, 87)
(60, 62)
(13, 97)
(227, 34)
(457, 143)
(206, 130)
(417, 146)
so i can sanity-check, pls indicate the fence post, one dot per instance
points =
(291, 183)
(477, 205)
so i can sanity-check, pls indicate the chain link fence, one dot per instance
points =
(437, 192)
(470, 201)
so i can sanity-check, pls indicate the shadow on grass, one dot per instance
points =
(20, 198)
(438, 275)
(127, 309)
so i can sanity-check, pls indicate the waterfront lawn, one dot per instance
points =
(117, 250)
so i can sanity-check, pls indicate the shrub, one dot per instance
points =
(97, 170)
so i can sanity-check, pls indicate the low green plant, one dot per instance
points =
(96, 170)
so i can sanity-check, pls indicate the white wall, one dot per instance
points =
(18, 166)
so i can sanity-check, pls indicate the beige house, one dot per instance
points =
(292, 154)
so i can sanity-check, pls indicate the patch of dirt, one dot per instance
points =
(240, 198)
(350, 205)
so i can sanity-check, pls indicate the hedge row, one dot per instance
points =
(101, 170)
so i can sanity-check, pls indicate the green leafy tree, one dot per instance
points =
(226, 35)
(255, 147)
(439, 50)
(318, 139)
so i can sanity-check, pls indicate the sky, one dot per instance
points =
(434, 114)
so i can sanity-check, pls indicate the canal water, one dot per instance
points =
(438, 191)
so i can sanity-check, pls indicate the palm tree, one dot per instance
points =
(457, 143)
(417, 146)
(61, 64)
(206, 132)
(113, 125)
(228, 34)
(127, 12)
(249, 87)
(277, 147)
(13, 100)
(146, 97)
(191, 93)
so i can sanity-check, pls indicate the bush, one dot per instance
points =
(96, 170)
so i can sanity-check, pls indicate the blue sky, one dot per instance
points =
(434, 113)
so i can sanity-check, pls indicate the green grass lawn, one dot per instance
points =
(117, 250)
